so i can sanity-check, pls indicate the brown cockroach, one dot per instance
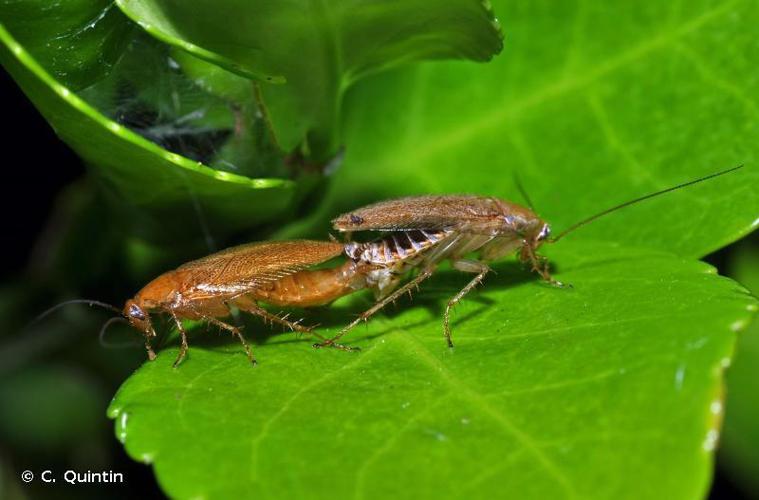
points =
(426, 230)
(241, 276)
(275, 273)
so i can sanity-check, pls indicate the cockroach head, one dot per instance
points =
(137, 316)
(543, 234)
(524, 223)
(536, 233)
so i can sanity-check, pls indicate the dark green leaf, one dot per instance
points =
(549, 392)
(77, 41)
(161, 192)
(318, 48)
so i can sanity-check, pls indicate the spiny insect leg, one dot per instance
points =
(250, 307)
(539, 264)
(426, 273)
(467, 266)
(184, 347)
(150, 332)
(236, 332)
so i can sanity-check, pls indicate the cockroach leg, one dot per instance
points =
(149, 348)
(234, 331)
(540, 265)
(149, 332)
(184, 347)
(423, 275)
(467, 266)
(250, 307)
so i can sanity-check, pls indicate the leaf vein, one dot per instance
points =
(267, 425)
(505, 111)
(498, 416)
(390, 441)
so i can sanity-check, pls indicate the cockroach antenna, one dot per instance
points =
(522, 191)
(89, 302)
(114, 345)
(583, 222)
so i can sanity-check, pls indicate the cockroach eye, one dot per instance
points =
(545, 232)
(136, 312)
(355, 219)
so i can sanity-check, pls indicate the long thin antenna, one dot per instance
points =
(89, 302)
(114, 345)
(520, 188)
(637, 200)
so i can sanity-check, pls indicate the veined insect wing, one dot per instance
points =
(264, 261)
(419, 212)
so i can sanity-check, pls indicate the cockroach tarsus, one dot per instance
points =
(463, 224)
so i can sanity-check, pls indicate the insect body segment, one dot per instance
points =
(314, 287)
(398, 247)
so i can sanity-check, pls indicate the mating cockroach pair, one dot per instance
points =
(419, 233)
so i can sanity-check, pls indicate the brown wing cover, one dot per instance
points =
(258, 263)
(419, 212)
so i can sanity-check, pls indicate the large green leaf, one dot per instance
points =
(740, 444)
(591, 104)
(315, 50)
(549, 393)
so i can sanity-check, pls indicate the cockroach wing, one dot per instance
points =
(245, 267)
(421, 212)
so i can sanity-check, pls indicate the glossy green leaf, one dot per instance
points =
(77, 41)
(740, 443)
(316, 50)
(591, 104)
(160, 192)
(549, 393)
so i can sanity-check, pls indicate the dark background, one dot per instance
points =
(37, 166)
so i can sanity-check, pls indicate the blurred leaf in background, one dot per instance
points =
(740, 443)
